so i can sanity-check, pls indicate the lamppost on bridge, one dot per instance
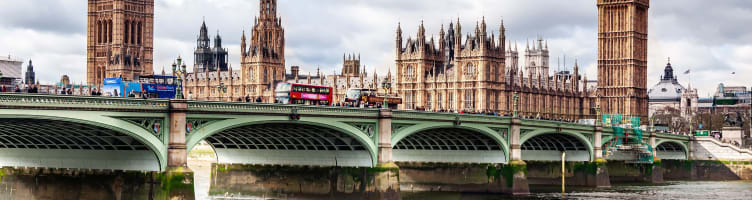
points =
(221, 89)
(386, 85)
(178, 69)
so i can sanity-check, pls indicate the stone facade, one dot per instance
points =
(262, 64)
(622, 57)
(119, 39)
(472, 75)
(669, 95)
(206, 57)
(351, 65)
(536, 59)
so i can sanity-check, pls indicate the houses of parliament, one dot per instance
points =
(474, 72)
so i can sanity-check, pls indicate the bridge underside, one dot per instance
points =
(61, 144)
(548, 147)
(288, 144)
(449, 145)
(670, 151)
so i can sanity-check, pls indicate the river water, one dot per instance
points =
(713, 190)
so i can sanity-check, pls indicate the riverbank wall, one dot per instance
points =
(477, 178)
(71, 184)
(711, 170)
(303, 182)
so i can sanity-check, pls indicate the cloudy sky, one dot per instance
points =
(712, 38)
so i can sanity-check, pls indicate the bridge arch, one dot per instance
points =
(547, 144)
(671, 150)
(277, 140)
(436, 142)
(81, 140)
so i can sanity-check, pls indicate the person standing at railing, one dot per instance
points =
(18, 90)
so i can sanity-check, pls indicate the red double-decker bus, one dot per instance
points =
(294, 93)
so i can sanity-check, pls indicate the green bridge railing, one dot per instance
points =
(241, 107)
(83, 102)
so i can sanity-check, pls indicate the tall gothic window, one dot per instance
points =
(133, 33)
(470, 69)
(439, 100)
(139, 32)
(469, 100)
(429, 102)
(99, 32)
(266, 75)
(409, 100)
(127, 31)
(109, 31)
(491, 73)
(250, 73)
(450, 96)
(410, 71)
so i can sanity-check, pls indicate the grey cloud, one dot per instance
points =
(699, 34)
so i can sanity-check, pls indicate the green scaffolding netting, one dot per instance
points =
(619, 136)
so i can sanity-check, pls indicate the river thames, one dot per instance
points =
(202, 157)
(719, 190)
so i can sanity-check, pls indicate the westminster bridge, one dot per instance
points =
(155, 135)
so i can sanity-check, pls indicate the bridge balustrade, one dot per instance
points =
(202, 106)
(87, 102)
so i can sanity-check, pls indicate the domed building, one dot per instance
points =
(668, 94)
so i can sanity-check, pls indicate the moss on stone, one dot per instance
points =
(513, 167)
(175, 179)
(493, 172)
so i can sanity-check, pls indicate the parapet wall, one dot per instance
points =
(707, 170)
(707, 148)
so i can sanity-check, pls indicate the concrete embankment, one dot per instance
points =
(70, 184)
(712, 170)
(293, 182)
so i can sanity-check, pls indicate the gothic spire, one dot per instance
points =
(483, 25)
(421, 31)
(203, 37)
(217, 40)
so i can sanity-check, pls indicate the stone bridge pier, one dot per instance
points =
(177, 173)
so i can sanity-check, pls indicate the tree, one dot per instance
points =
(672, 118)
(712, 122)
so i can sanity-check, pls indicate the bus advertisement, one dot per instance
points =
(159, 86)
(113, 87)
(156, 86)
(293, 93)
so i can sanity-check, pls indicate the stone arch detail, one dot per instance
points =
(133, 145)
(563, 134)
(671, 150)
(222, 126)
(473, 132)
